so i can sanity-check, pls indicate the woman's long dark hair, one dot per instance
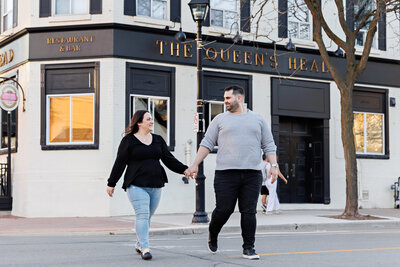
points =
(136, 118)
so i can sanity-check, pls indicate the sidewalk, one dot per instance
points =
(288, 220)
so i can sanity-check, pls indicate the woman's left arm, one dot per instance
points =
(281, 175)
(170, 161)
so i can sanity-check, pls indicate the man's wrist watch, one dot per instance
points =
(274, 165)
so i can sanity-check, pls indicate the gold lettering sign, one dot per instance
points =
(314, 65)
(260, 58)
(236, 54)
(302, 65)
(174, 49)
(247, 59)
(70, 43)
(292, 61)
(222, 55)
(6, 57)
(214, 54)
(274, 62)
(186, 50)
(161, 44)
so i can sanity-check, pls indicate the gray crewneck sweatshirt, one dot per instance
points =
(240, 139)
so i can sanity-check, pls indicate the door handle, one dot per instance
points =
(293, 170)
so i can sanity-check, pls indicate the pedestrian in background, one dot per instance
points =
(273, 205)
(241, 134)
(142, 151)
(264, 189)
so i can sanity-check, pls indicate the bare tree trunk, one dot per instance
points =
(347, 122)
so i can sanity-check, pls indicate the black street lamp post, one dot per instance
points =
(199, 10)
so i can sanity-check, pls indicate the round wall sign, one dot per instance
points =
(9, 97)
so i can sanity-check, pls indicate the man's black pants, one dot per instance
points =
(230, 186)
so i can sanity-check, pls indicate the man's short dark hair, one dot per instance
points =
(237, 90)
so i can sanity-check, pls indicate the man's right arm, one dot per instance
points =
(207, 144)
(201, 155)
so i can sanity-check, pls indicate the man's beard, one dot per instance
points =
(234, 106)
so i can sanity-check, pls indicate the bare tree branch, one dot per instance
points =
(324, 54)
(315, 8)
(347, 31)
(369, 39)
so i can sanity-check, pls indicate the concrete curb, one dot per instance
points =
(293, 227)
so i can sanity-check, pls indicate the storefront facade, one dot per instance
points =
(83, 82)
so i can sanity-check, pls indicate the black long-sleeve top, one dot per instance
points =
(143, 161)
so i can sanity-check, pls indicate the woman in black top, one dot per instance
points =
(141, 151)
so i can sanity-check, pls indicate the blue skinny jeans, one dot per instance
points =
(145, 201)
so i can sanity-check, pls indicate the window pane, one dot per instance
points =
(160, 117)
(375, 133)
(360, 38)
(4, 132)
(140, 104)
(82, 118)
(230, 18)
(298, 11)
(59, 119)
(361, 9)
(230, 5)
(8, 5)
(62, 7)
(159, 9)
(359, 132)
(293, 28)
(216, 109)
(80, 7)
(7, 22)
(216, 18)
(305, 31)
(144, 7)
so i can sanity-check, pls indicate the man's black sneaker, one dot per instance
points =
(138, 251)
(250, 254)
(212, 246)
(146, 256)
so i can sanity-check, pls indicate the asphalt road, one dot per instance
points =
(334, 248)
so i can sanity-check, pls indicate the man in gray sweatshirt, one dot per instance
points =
(241, 135)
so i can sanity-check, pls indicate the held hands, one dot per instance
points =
(191, 172)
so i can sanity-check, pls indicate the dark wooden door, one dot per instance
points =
(300, 161)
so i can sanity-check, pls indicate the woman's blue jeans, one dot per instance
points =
(144, 201)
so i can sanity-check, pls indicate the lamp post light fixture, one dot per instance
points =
(339, 52)
(199, 9)
(237, 38)
(290, 45)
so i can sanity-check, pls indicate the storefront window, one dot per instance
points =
(69, 7)
(369, 133)
(152, 8)
(70, 94)
(159, 110)
(71, 119)
(224, 13)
